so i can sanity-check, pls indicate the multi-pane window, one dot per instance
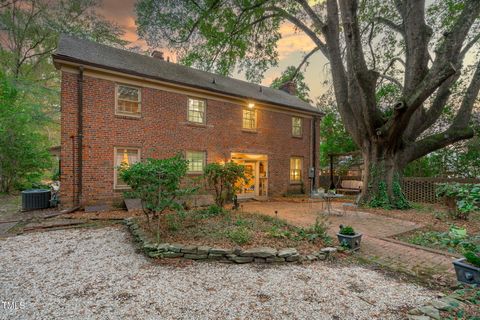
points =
(296, 164)
(297, 126)
(128, 100)
(196, 110)
(124, 157)
(196, 161)
(249, 119)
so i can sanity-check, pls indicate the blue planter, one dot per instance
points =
(466, 272)
(351, 242)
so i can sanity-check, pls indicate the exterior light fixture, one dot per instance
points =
(251, 105)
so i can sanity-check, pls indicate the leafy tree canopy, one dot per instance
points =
(293, 74)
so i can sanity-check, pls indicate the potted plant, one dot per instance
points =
(349, 238)
(468, 268)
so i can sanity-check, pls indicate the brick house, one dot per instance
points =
(118, 106)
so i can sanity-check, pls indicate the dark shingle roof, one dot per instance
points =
(95, 54)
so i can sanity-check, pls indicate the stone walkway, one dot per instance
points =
(375, 228)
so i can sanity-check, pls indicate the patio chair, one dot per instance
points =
(316, 194)
(353, 206)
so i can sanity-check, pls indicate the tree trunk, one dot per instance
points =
(382, 179)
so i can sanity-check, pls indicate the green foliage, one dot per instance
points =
(317, 231)
(378, 192)
(239, 235)
(24, 155)
(455, 240)
(466, 196)
(473, 258)
(333, 136)
(347, 230)
(223, 35)
(212, 211)
(222, 178)
(461, 160)
(157, 183)
(290, 74)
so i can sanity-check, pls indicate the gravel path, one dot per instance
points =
(96, 274)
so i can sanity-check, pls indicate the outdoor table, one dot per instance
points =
(328, 197)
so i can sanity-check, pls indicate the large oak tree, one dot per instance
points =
(417, 49)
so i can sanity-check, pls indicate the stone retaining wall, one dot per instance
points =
(194, 252)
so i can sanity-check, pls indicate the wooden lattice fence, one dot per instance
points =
(415, 189)
(423, 189)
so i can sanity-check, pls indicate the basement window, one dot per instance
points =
(128, 101)
(124, 157)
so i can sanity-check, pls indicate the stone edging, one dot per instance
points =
(432, 309)
(411, 245)
(193, 252)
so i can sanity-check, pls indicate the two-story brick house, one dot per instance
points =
(118, 106)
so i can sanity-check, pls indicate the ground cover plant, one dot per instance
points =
(455, 240)
(462, 199)
(215, 226)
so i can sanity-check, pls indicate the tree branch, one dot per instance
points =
(304, 60)
(302, 27)
(319, 24)
(392, 25)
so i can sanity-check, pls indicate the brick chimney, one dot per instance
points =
(289, 87)
(158, 55)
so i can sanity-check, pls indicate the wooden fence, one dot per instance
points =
(415, 189)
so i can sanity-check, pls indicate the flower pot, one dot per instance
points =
(350, 241)
(466, 272)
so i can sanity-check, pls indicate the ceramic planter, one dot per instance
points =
(466, 272)
(350, 241)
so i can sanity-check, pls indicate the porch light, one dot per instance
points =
(251, 105)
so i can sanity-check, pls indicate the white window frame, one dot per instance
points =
(299, 127)
(254, 119)
(115, 165)
(203, 164)
(128, 114)
(204, 110)
(291, 169)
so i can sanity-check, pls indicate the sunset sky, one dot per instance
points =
(292, 47)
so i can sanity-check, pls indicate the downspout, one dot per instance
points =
(314, 153)
(80, 136)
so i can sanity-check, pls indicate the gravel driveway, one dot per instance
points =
(97, 274)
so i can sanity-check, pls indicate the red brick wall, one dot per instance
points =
(162, 132)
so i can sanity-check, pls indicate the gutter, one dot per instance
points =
(78, 199)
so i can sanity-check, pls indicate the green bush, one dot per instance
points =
(466, 197)
(316, 231)
(347, 230)
(24, 155)
(239, 235)
(222, 179)
(212, 211)
(156, 182)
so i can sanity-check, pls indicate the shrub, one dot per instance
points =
(224, 179)
(472, 258)
(156, 182)
(465, 197)
(212, 211)
(316, 231)
(347, 230)
(239, 235)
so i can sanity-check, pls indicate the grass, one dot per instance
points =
(229, 229)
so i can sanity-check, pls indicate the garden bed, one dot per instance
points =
(440, 239)
(227, 234)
